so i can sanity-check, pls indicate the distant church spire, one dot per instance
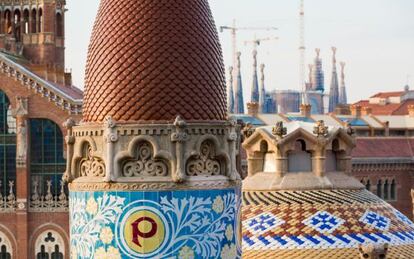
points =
(309, 85)
(239, 100)
(230, 97)
(255, 85)
(262, 100)
(334, 91)
(343, 99)
(318, 78)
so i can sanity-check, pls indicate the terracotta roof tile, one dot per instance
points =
(153, 62)
(383, 147)
(387, 109)
(387, 94)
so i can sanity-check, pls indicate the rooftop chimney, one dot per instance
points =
(253, 109)
(356, 110)
(411, 110)
(366, 111)
(305, 110)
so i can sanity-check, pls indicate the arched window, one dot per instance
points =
(59, 25)
(7, 146)
(5, 247)
(40, 22)
(7, 22)
(4, 254)
(17, 23)
(379, 188)
(269, 163)
(368, 185)
(33, 26)
(49, 245)
(26, 15)
(393, 190)
(299, 159)
(47, 164)
(386, 190)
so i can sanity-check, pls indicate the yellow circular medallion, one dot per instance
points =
(144, 231)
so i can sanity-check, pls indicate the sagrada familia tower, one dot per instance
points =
(152, 166)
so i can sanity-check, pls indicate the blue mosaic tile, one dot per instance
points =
(263, 223)
(375, 220)
(323, 222)
(197, 224)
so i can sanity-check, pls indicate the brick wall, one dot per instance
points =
(404, 183)
(23, 225)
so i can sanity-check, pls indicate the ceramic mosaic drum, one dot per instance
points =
(155, 224)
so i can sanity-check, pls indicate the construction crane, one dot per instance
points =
(233, 30)
(302, 50)
(258, 42)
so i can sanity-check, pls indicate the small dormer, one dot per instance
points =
(299, 155)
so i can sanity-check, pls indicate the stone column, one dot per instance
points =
(318, 162)
(281, 165)
(70, 141)
(345, 163)
(22, 176)
(179, 138)
(111, 137)
(232, 139)
(254, 164)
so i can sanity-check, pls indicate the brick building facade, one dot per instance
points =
(36, 98)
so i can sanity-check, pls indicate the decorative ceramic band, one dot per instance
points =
(147, 186)
(159, 224)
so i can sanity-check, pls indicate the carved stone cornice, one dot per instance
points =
(178, 153)
(156, 186)
(375, 165)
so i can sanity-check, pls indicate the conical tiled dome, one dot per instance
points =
(154, 60)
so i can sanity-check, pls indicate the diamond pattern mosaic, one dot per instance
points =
(376, 220)
(403, 218)
(332, 223)
(324, 222)
(263, 222)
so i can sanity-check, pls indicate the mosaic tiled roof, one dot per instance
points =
(322, 224)
(154, 60)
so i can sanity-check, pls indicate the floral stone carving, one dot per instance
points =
(205, 164)
(321, 130)
(145, 164)
(91, 166)
(279, 130)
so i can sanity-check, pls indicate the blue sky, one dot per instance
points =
(374, 37)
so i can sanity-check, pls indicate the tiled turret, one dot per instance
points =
(152, 168)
